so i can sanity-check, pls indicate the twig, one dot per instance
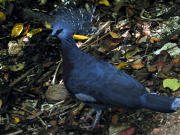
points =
(15, 133)
(149, 19)
(55, 74)
(37, 116)
(107, 24)
(21, 77)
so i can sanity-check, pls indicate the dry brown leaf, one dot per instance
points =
(167, 68)
(160, 64)
(26, 30)
(130, 131)
(53, 122)
(137, 65)
(115, 119)
(6, 76)
(176, 60)
(154, 39)
(146, 29)
(151, 68)
(129, 11)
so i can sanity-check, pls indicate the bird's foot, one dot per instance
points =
(96, 121)
(97, 118)
(88, 116)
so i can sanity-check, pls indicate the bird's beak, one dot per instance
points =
(53, 34)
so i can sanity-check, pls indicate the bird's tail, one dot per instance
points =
(158, 103)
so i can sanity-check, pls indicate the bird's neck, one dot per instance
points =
(71, 53)
(72, 56)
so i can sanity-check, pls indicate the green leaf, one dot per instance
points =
(173, 84)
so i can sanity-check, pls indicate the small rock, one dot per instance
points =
(56, 93)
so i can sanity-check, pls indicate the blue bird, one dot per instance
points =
(96, 82)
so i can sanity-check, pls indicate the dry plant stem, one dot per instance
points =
(21, 77)
(64, 112)
(147, 46)
(99, 39)
(16, 133)
(55, 74)
(149, 19)
(39, 113)
(37, 116)
(107, 24)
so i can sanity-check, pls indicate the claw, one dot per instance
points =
(97, 118)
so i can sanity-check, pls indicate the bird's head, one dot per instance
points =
(62, 32)
(70, 20)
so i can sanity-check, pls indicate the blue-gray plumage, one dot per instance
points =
(96, 82)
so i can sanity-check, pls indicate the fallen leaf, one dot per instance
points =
(17, 29)
(142, 39)
(104, 2)
(173, 84)
(6, 76)
(1, 103)
(16, 120)
(15, 48)
(2, 16)
(47, 25)
(172, 48)
(156, 131)
(1, 1)
(177, 121)
(121, 65)
(176, 60)
(16, 67)
(34, 31)
(115, 119)
(146, 29)
(130, 131)
(118, 128)
(53, 122)
(167, 68)
(132, 53)
(162, 75)
(129, 11)
(114, 35)
(26, 30)
(137, 65)
(42, 2)
(151, 68)
(160, 64)
(154, 39)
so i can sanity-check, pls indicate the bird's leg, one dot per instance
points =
(97, 118)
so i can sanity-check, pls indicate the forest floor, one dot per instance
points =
(140, 38)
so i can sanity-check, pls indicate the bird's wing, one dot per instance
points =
(102, 83)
